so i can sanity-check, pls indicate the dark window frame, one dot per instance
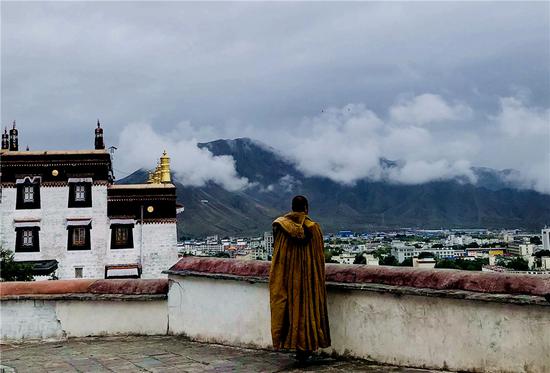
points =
(19, 247)
(129, 243)
(87, 202)
(20, 203)
(87, 239)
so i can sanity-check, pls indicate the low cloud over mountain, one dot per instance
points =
(434, 140)
(492, 202)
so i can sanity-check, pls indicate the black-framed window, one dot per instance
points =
(80, 194)
(79, 237)
(122, 236)
(28, 195)
(27, 239)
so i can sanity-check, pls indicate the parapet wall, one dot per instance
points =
(442, 319)
(55, 310)
(446, 319)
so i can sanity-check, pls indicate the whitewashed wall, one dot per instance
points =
(159, 243)
(159, 248)
(406, 330)
(23, 320)
(53, 214)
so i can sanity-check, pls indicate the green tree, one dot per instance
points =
(328, 256)
(535, 240)
(360, 259)
(408, 262)
(518, 264)
(388, 260)
(447, 263)
(10, 270)
(382, 252)
(465, 265)
(540, 254)
(222, 254)
(425, 254)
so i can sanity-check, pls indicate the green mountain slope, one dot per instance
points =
(210, 209)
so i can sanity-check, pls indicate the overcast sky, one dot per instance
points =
(334, 86)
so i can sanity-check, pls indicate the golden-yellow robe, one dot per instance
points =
(299, 318)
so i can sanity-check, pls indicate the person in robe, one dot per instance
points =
(299, 319)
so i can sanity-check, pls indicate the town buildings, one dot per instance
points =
(64, 207)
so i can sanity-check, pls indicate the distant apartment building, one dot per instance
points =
(545, 238)
(453, 240)
(200, 248)
(63, 207)
(268, 244)
(521, 249)
(402, 252)
(344, 258)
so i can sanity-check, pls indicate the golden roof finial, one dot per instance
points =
(156, 174)
(150, 177)
(165, 168)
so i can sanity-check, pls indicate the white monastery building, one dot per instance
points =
(61, 212)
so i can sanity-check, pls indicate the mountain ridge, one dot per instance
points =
(493, 202)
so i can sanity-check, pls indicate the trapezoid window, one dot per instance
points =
(28, 193)
(80, 192)
(122, 235)
(27, 239)
(79, 235)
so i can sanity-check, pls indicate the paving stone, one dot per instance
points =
(165, 354)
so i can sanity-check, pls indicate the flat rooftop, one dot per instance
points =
(163, 354)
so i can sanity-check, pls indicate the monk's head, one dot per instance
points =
(299, 204)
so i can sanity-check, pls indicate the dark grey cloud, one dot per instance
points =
(264, 69)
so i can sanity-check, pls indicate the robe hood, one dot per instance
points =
(294, 223)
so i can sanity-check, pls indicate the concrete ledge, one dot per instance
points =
(93, 289)
(456, 330)
(441, 282)
(87, 297)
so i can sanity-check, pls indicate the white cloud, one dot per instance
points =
(346, 144)
(428, 108)
(418, 172)
(522, 136)
(517, 119)
(140, 147)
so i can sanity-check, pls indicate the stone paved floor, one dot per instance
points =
(161, 354)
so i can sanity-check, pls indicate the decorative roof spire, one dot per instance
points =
(14, 141)
(99, 144)
(5, 139)
(165, 168)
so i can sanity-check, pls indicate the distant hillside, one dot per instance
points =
(492, 203)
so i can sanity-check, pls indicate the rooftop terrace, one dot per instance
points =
(164, 354)
(423, 318)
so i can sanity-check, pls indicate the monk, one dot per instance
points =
(299, 319)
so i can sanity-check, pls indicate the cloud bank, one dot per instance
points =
(140, 145)
(431, 138)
